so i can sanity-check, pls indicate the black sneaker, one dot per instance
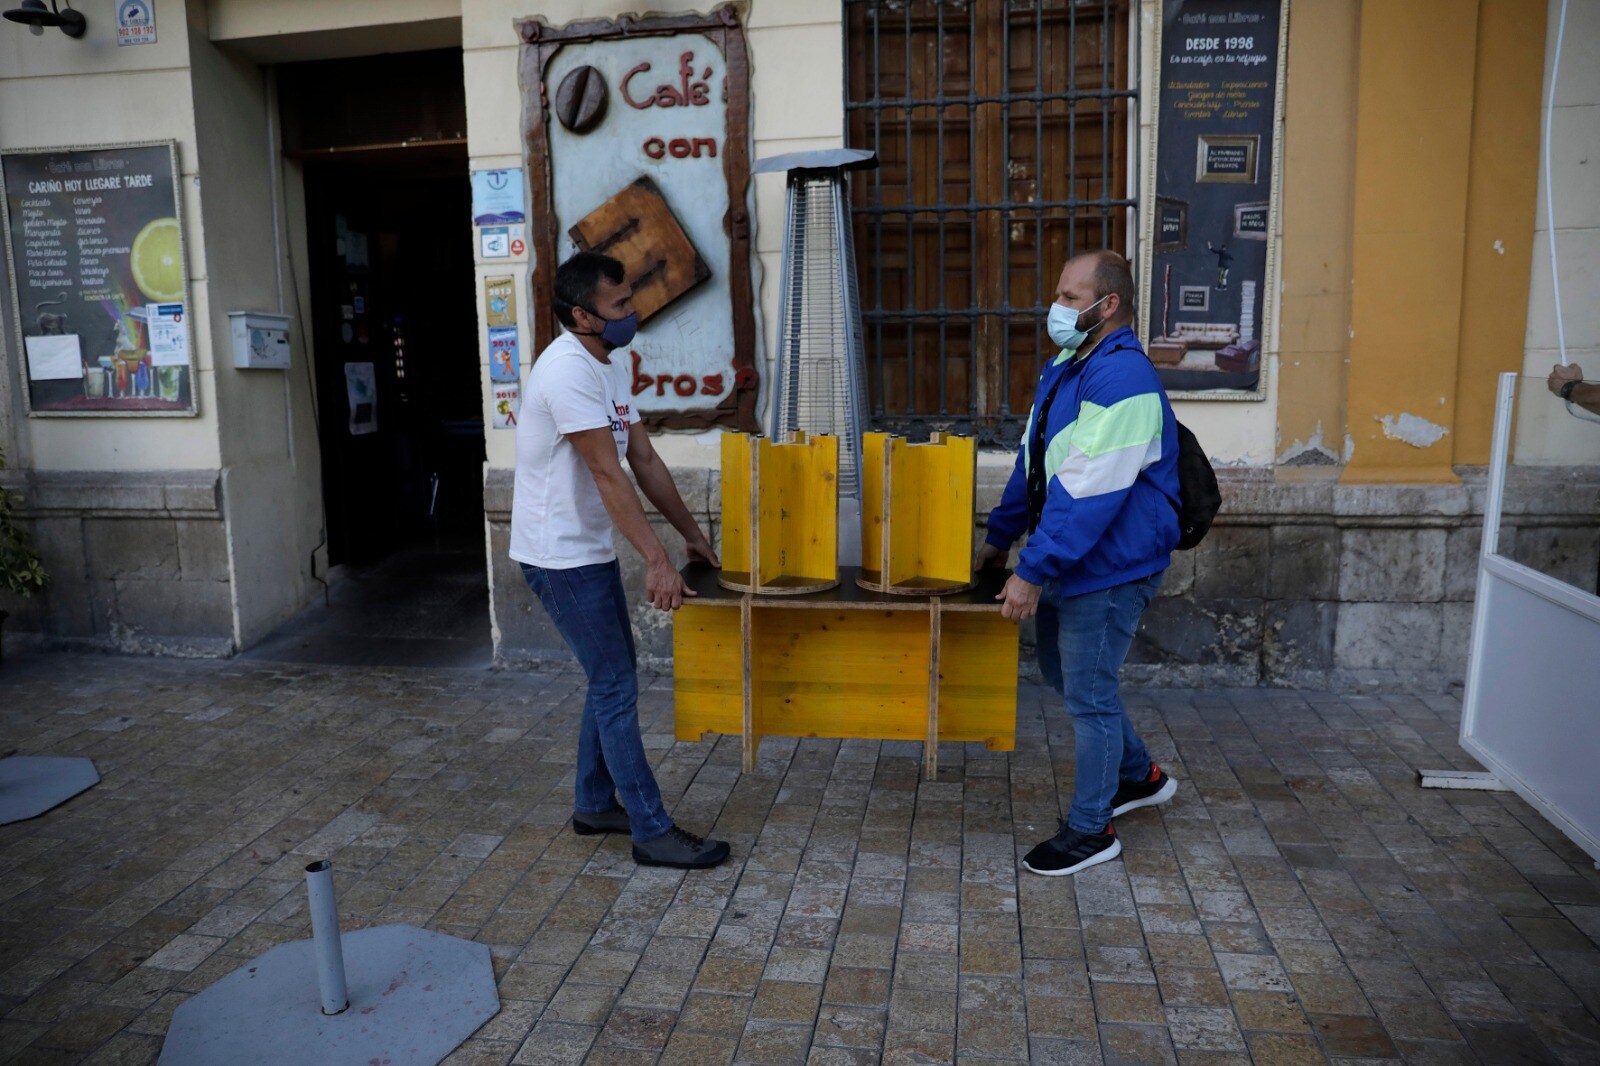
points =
(1131, 795)
(681, 850)
(1070, 851)
(587, 825)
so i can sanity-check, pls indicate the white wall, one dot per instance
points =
(792, 43)
(272, 481)
(1546, 433)
(59, 92)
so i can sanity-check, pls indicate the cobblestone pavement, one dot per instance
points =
(1300, 899)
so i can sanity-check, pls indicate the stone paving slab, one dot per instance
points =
(1299, 901)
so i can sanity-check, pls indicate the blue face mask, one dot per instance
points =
(1063, 325)
(618, 332)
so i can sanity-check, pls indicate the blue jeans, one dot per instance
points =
(589, 609)
(1082, 641)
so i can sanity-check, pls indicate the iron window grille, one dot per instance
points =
(1002, 129)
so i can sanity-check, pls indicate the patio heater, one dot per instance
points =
(821, 365)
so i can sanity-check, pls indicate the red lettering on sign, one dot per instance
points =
(687, 93)
(662, 381)
(655, 148)
(640, 381)
(628, 97)
(711, 385)
(710, 144)
(683, 385)
(679, 147)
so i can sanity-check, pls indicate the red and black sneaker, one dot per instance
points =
(1070, 851)
(1131, 795)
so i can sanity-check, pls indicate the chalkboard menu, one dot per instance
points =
(1216, 116)
(95, 250)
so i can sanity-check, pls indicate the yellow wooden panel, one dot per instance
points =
(931, 504)
(947, 508)
(872, 447)
(798, 530)
(736, 502)
(978, 679)
(905, 513)
(841, 673)
(706, 671)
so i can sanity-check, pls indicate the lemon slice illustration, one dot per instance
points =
(157, 261)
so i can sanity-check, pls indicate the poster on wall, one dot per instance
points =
(1216, 118)
(638, 135)
(95, 253)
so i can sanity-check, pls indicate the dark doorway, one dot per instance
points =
(394, 330)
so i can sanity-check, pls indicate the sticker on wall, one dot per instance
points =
(504, 358)
(494, 242)
(169, 338)
(497, 197)
(136, 22)
(57, 358)
(500, 301)
(361, 388)
(507, 400)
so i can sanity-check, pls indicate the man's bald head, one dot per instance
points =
(1100, 276)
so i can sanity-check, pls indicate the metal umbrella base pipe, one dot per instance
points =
(394, 994)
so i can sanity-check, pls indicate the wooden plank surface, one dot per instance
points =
(848, 596)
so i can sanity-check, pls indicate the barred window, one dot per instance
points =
(1001, 127)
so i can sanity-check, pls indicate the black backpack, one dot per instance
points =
(1199, 499)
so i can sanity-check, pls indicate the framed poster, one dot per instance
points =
(1250, 221)
(1227, 159)
(96, 255)
(1218, 114)
(638, 146)
(1172, 224)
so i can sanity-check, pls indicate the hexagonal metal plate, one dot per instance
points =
(33, 784)
(415, 996)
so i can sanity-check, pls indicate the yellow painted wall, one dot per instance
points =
(1318, 204)
(1500, 213)
(1413, 140)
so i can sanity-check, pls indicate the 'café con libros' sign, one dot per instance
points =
(638, 147)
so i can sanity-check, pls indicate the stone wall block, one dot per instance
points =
(1566, 553)
(526, 633)
(1230, 562)
(1455, 638)
(1304, 563)
(132, 548)
(198, 490)
(1388, 636)
(1392, 565)
(173, 608)
(1298, 636)
(1180, 575)
(1461, 562)
(1177, 630)
(203, 550)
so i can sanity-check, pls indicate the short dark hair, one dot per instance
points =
(578, 278)
(1112, 274)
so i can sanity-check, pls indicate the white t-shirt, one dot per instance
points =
(558, 520)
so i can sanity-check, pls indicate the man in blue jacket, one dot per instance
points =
(1095, 491)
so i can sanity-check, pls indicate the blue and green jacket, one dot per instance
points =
(1111, 464)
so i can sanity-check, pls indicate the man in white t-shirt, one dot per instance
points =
(576, 426)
